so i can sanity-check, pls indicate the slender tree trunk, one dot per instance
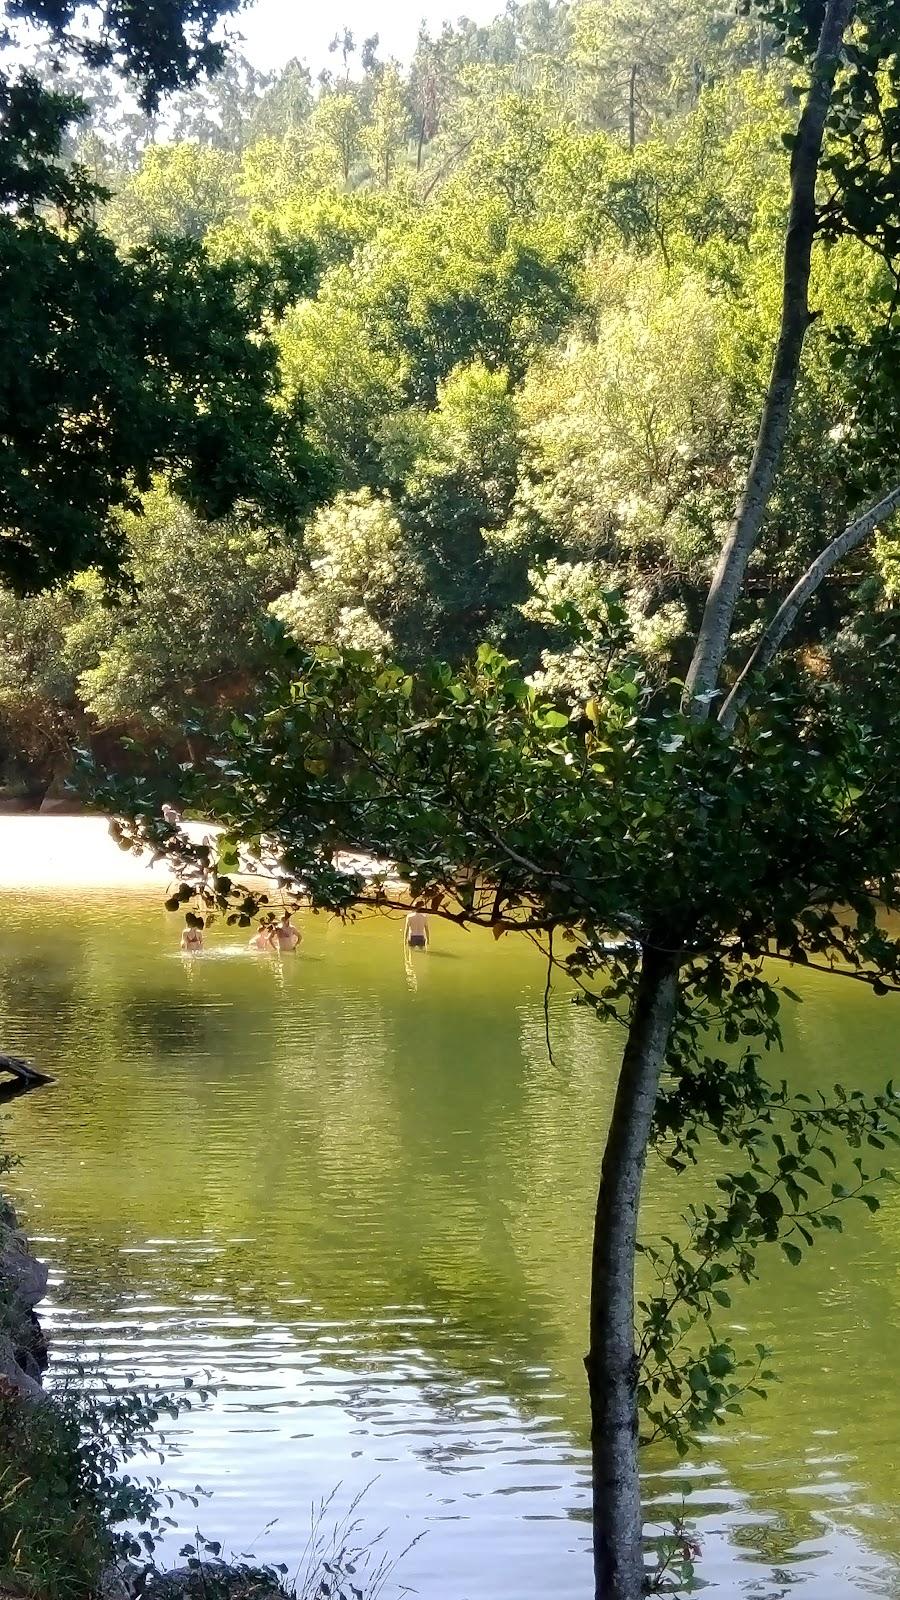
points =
(632, 113)
(715, 629)
(611, 1361)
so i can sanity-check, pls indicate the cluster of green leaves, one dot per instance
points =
(184, 624)
(155, 47)
(68, 1507)
(115, 369)
(806, 1157)
(144, 366)
(484, 742)
(557, 271)
(140, 654)
(619, 67)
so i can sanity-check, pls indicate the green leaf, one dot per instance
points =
(769, 1206)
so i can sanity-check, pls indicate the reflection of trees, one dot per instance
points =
(367, 1159)
(69, 988)
(363, 1151)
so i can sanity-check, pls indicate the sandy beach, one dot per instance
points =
(65, 852)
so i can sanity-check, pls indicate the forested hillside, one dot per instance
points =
(525, 294)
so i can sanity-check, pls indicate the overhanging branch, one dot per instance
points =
(775, 634)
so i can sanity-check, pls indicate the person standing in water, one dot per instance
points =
(415, 933)
(287, 935)
(264, 938)
(191, 941)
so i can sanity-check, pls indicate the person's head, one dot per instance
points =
(286, 917)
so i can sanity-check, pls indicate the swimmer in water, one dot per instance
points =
(415, 932)
(264, 938)
(287, 935)
(191, 941)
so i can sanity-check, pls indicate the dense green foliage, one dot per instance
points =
(117, 366)
(68, 1510)
(531, 354)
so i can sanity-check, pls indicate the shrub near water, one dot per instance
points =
(65, 1503)
(69, 1513)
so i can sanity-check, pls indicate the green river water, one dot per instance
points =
(355, 1192)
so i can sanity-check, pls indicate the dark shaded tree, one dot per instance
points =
(114, 369)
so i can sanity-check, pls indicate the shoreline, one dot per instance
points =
(56, 854)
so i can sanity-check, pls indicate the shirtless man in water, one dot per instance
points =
(287, 935)
(415, 933)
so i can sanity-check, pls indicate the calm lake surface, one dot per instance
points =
(355, 1193)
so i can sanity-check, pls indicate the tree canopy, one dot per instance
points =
(117, 365)
(472, 358)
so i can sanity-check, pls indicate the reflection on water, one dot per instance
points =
(352, 1189)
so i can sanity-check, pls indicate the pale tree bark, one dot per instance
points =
(611, 1362)
(775, 634)
(715, 629)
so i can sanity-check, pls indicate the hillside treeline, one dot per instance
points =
(525, 292)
